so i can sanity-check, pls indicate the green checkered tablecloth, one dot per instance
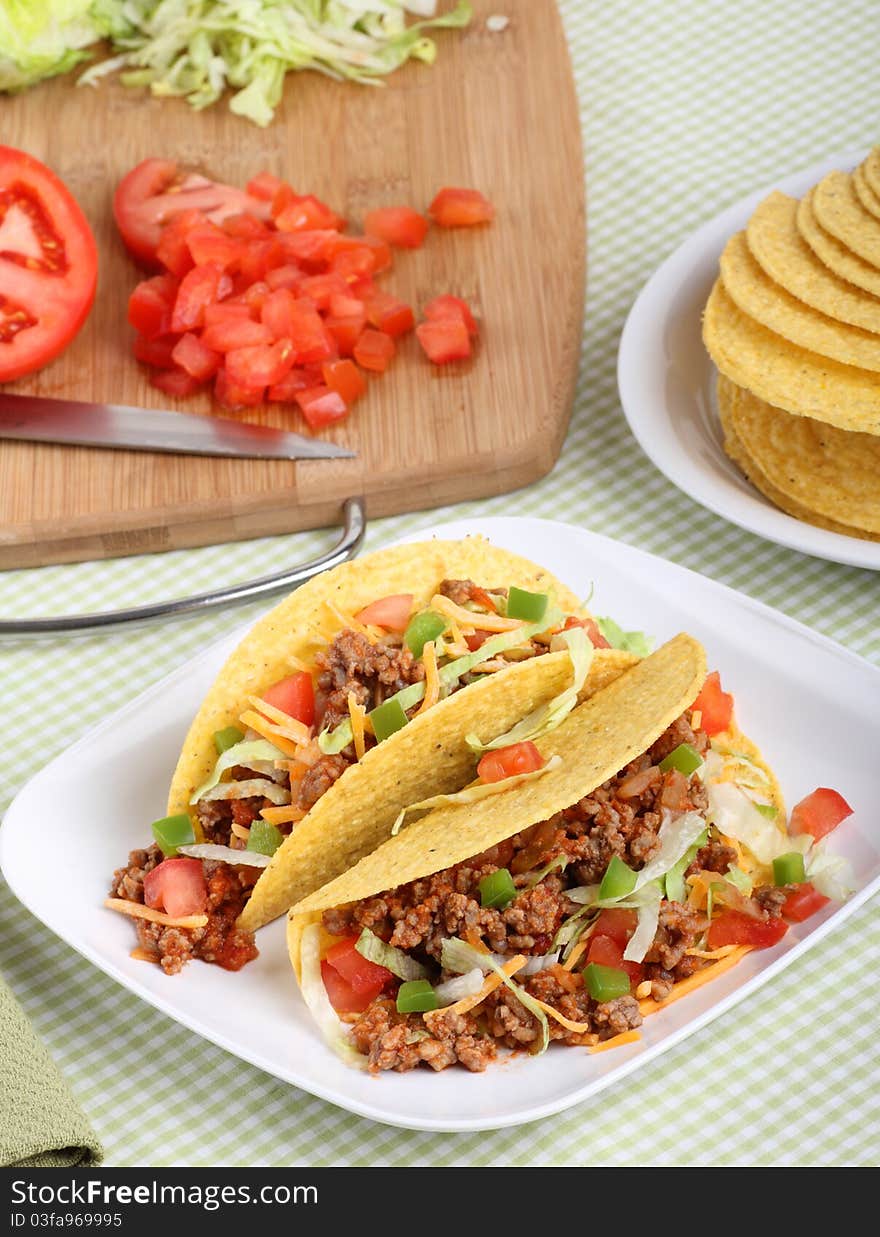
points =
(685, 107)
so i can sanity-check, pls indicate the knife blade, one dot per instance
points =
(32, 418)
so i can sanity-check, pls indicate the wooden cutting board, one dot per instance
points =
(498, 112)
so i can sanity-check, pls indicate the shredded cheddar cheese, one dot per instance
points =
(432, 677)
(471, 618)
(143, 955)
(696, 719)
(579, 1028)
(282, 815)
(354, 624)
(571, 961)
(684, 986)
(491, 983)
(138, 911)
(268, 730)
(281, 719)
(357, 713)
(616, 1041)
(240, 831)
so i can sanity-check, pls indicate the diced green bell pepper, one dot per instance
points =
(605, 983)
(264, 838)
(497, 889)
(416, 996)
(173, 831)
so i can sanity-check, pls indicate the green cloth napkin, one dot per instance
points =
(41, 1125)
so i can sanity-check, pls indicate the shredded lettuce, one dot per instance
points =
(474, 792)
(629, 641)
(831, 874)
(561, 862)
(547, 717)
(674, 879)
(250, 788)
(648, 918)
(459, 987)
(736, 816)
(315, 995)
(458, 956)
(198, 48)
(743, 882)
(374, 949)
(225, 854)
(238, 754)
(332, 741)
(40, 38)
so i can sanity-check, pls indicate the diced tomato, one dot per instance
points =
(302, 213)
(476, 640)
(355, 969)
(192, 356)
(294, 695)
(172, 251)
(616, 923)
(175, 382)
(714, 705)
(151, 304)
(354, 263)
(374, 350)
(158, 189)
(320, 406)
(255, 296)
(343, 997)
(236, 332)
(177, 887)
(310, 249)
(245, 228)
(461, 208)
(264, 186)
(288, 276)
(346, 331)
(300, 378)
(344, 305)
(802, 902)
(398, 225)
(156, 351)
(606, 951)
(509, 761)
(737, 928)
(345, 378)
(227, 311)
(320, 288)
(392, 612)
(819, 813)
(444, 339)
(449, 306)
(386, 313)
(259, 258)
(260, 365)
(48, 265)
(232, 395)
(591, 627)
(209, 243)
(381, 255)
(201, 286)
(295, 319)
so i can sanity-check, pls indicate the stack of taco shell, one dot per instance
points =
(793, 326)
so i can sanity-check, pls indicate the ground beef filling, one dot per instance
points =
(219, 941)
(622, 817)
(351, 664)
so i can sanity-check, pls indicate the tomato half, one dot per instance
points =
(392, 613)
(735, 928)
(509, 761)
(177, 886)
(158, 189)
(819, 813)
(294, 695)
(714, 705)
(803, 901)
(48, 265)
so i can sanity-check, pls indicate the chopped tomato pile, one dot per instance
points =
(264, 295)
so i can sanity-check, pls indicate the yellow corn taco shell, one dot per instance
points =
(427, 757)
(595, 741)
(835, 255)
(839, 211)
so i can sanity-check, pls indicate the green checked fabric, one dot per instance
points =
(685, 107)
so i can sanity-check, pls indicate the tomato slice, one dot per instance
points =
(461, 208)
(508, 761)
(714, 705)
(48, 265)
(392, 613)
(802, 902)
(736, 928)
(158, 189)
(294, 695)
(177, 886)
(444, 340)
(397, 225)
(819, 813)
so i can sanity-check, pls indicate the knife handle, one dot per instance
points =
(353, 531)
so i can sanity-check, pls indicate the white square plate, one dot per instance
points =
(667, 384)
(810, 704)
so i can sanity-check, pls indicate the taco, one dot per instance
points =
(342, 706)
(650, 856)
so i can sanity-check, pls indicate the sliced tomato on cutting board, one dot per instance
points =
(48, 265)
(158, 189)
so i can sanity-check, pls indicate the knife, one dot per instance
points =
(34, 419)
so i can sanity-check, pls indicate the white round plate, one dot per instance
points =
(667, 385)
